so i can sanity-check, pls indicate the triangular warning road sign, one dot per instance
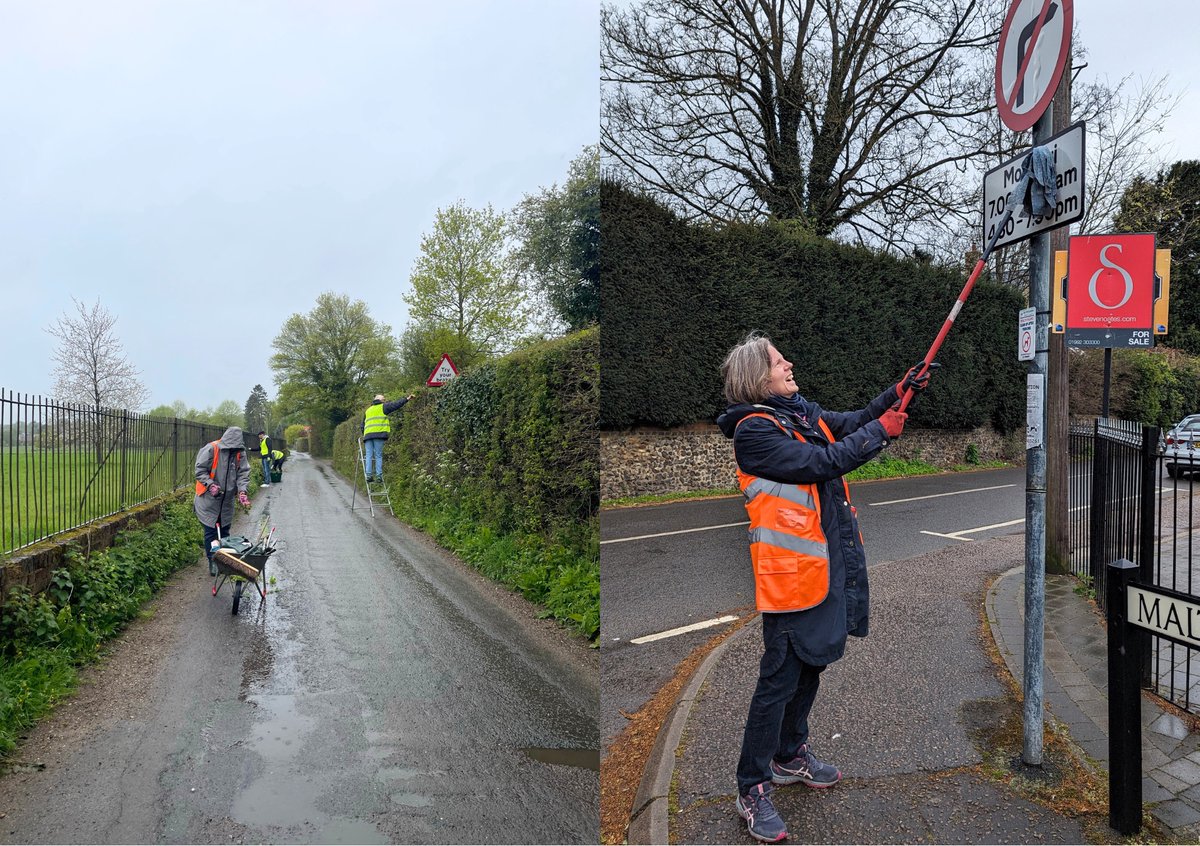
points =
(443, 373)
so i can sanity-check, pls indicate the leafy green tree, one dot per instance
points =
(258, 410)
(1168, 204)
(462, 280)
(325, 360)
(179, 409)
(227, 413)
(421, 348)
(559, 231)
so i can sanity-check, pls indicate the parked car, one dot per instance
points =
(1181, 447)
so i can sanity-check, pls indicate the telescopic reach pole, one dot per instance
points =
(966, 292)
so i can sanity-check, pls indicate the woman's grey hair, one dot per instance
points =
(746, 371)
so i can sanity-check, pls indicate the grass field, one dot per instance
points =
(47, 491)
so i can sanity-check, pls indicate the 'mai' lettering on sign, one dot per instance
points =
(1170, 615)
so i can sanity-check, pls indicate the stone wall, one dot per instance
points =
(698, 457)
(33, 566)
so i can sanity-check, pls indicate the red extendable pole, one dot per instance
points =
(958, 304)
(945, 330)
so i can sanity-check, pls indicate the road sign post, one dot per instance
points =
(1035, 44)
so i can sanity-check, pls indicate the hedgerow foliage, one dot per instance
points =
(677, 296)
(45, 636)
(502, 467)
(1157, 387)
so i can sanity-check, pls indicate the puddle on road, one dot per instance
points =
(586, 758)
(412, 800)
(350, 831)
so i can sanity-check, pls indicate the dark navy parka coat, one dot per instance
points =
(762, 449)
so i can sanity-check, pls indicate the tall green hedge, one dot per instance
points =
(1156, 387)
(502, 465)
(677, 296)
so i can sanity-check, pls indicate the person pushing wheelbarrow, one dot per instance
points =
(221, 470)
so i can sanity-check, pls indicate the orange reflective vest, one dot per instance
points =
(201, 487)
(787, 544)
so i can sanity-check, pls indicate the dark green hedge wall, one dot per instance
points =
(676, 297)
(502, 466)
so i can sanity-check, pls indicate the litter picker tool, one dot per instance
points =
(1035, 192)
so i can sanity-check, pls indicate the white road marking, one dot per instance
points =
(959, 535)
(935, 496)
(677, 532)
(684, 629)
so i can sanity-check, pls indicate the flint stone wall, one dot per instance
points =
(698, 457)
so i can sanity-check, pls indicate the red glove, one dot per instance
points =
(893, 422)
(214, 489)
(243, 499)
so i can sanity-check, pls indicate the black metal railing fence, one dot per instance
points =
(64, 465)
(1128, 500)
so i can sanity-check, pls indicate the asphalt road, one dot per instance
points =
(382, 693)
(654, 581)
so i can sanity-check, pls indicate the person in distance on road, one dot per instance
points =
(221, 469)
(810, 568)
(376, 428)
(264, 451)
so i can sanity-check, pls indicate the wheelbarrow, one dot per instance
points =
(240, 562)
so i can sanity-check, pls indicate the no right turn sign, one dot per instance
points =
(1035, 44)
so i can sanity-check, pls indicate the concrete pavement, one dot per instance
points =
(911, 713)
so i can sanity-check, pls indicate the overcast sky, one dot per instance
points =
(1149, 39)
(208, 168)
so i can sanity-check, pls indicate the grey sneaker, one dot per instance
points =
(805, 767)
(212, 567)
(762, 820)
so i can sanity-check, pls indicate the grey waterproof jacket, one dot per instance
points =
(231, 474)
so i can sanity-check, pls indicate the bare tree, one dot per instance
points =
(90, 364)
(1124, 125)
(843, 113)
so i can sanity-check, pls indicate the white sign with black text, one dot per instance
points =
(1035, 409)
(1067, 150)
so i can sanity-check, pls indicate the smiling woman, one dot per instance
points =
(810, 568)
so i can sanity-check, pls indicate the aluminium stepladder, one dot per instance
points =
(377, 492)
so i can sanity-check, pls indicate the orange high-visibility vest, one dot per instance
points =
(201, 487)
(787, 544)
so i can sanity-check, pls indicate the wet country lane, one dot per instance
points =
(382, 693)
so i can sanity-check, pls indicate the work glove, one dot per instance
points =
(911, 379)
(243, 499)
(893, 422)
(214, 489)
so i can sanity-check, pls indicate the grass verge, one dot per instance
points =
(549, 571)
(45, 637)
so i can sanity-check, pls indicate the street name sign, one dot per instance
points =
(1167, 613)
(1067, 149)
(1110, 291)
(1035, 42)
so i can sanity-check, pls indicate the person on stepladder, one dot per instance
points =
(264, 450)
(221, 468)
(376, 428)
